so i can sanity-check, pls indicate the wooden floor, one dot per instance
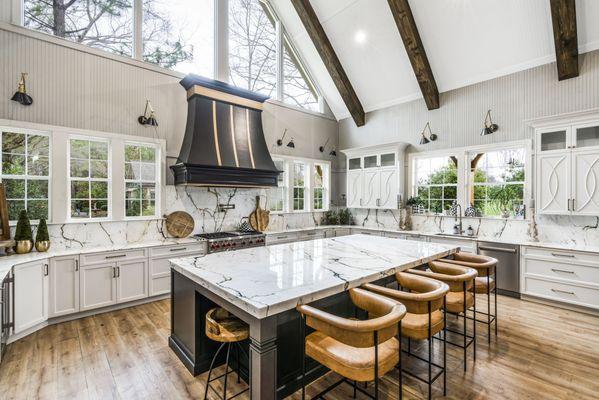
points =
(542, 353)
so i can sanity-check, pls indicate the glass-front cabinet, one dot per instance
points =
(373, 176)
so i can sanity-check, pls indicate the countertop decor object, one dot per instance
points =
(21, 95)
(23, 235)
(259, 218)
(179, 224)
(42, 238)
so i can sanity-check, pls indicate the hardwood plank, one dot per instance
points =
(404, 19)
(565, 37)
(329, 58)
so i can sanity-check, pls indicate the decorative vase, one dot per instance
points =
(42, 245)
(23, 246)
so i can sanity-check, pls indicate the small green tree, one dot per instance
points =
(23, 231)
(42, 232)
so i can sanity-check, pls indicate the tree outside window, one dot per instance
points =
(298, 89)
(299, 186)
(436, 182)
(319, 186)
(88, 178)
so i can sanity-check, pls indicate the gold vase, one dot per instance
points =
(23, 246)
(42, 245)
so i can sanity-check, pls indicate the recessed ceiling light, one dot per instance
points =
(360, 37)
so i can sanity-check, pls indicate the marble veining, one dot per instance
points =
(267, 280)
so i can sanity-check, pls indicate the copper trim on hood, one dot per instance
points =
(226, 97)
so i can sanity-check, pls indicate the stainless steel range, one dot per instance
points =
(225, 241)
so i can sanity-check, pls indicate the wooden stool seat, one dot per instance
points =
(224, 327)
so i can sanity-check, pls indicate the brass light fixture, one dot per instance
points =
(490, 127)
(322, 148)
(21, 95)
(149, 116)
(280, 141)
(431, 136)
(333, 153)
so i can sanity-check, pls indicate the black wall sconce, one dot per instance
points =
(280, 141)
(322, 148)
(431, 136)
(149, 117)
(490, 127)
(21, 95)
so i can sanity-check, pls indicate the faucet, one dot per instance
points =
(459, 216)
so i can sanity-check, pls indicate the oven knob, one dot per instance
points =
(234, 244)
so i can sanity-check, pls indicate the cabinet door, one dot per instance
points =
(388, 189)
(98, 286)
(585, 136)
(132, 280)
(372, 184)
(354, 189)
(160, 273)
(31, 294)
(585, 184)
(64, 286)
(553, 183)
(553, 139)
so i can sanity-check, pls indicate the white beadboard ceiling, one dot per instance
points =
(466, 41)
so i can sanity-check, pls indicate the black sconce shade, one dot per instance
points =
(21, 95)
(148, 119)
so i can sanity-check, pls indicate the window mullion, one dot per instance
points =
(221, 40)
(138, 29)
(280, 71)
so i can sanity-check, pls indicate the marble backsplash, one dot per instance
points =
(567, 230)
(201, 203)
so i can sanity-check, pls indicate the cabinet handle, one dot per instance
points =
(46, 270)
(179, 249)
(76, 265)
(562, 291)
(118, 272)
(114, 272)
(563, 255)
(360, 202)
(117, 256)
(562, 270)
(281, 237)
(573, 204)
(311, 233)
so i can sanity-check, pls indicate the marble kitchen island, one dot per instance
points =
(262, 286)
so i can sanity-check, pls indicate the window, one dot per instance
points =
(277, 197)
(179, 35)
(436, 180)
(252, 46)
(497, 181)
(299, 186)
(319, 187)
(298, 89)
(89, 177)
(25, 173)
(103, 24)
(141, 171)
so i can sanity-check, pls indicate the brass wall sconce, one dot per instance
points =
(280, 141)
(322, 148)
(149, 116)
(21, 95)
(490, 127)
(431, 136)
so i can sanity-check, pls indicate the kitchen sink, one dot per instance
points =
(456, 235)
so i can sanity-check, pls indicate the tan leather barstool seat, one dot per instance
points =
(222, 326)
(480, 284)
(355, 363)
(455, 301)
(415, 326)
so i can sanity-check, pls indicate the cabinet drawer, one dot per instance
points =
(110, 256)
(160, 285)
(556, 270)
(358, 231)
(281, 238)
(582, 296)
(161, 266)
(177, 249)
(395, 235)
(311, 235)
(342, 232)
(562, 255)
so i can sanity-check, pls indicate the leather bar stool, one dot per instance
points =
(424, 319)
(485, 282)
(459, 298)
(224, 327)
(358, 350)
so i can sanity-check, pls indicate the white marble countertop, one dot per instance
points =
(7, 262)
(268, 280)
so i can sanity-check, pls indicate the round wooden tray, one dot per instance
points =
(179, 224)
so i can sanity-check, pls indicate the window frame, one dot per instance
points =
(220, 51)
(464, 181)
(415, 184)
(49, 178)
(157, 182)
(285, 186)
(326, 172)
(110, 215)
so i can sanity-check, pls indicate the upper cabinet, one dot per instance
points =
(567, 168)
(375, 176)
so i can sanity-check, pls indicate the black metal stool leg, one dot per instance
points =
(303, 334)
(237, 361)
(376, 365)
(210, 369)
(444, 348)
(465, 323)
(489, 307)
(430, 351)
(226, 371)
(400, 382)
(473, 321)
(495, 291)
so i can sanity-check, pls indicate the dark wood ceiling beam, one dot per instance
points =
(565, 36)
(408, 31)
(329, 57)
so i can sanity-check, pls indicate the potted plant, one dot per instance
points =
(329, 218)
(42, 238)
(415, 204)
(345, 217)
(503, 197)
(23, 236)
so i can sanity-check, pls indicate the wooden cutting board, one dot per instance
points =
(259, 218)
(179, 224)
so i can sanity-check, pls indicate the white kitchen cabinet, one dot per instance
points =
(585, 175)
(64, 286)
(31, 294)
(97, 285)
(553, 183)
(131, 280)
(278, 238)
(159, 280)
(374, 176)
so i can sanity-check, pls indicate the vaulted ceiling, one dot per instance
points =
(466, 41)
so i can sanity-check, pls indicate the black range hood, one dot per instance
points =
(224, 142)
